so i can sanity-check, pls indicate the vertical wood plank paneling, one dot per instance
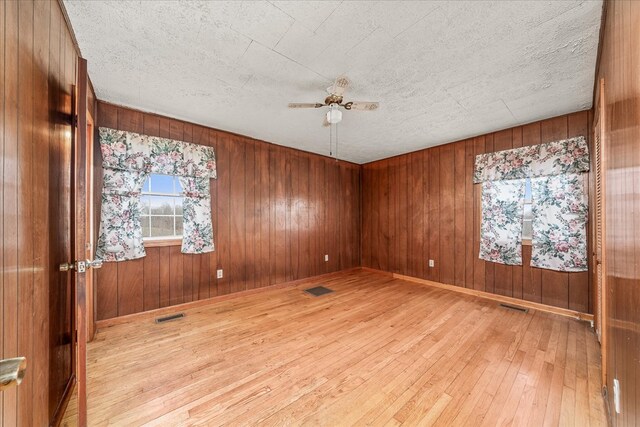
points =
(434, 213)
(42, 258)
(25, 203)
(131, 287)
(288, 214)
(250, 212)
(151, 273)
(403, 214)
(279, 206)
(393, 214)
(555, 284)
(384, 237)
(10, 203)
(489, 267)
(2, 166)
(294, 215)
(176, 276)
(209, 267)
(224, 245)
(164, 274)
(478, 264)
(459, 217)
(416, 213)
(619, 66)
(503, 273)
(304, 253)
(426, 209)
(469, 204)
(264, 277)
(445, 223)
(376, 229)
(447, 213)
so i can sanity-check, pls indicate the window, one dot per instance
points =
(161, 201)
(527, 217)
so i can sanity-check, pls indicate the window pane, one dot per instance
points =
(179, 206)
(144, 205)
(527, 190)
(527, 214)
(162, 184)
(145, 186)
(161, 226)
(178, 226)
(162, 205)
(145, 226)
(178, 186)
(526, 229)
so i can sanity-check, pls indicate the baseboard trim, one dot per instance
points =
(494, 297)
(152, 314)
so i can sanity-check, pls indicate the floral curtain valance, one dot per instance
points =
(133, 151)
(553, 158)
(127, 160)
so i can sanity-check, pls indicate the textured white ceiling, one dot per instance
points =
(442, 71)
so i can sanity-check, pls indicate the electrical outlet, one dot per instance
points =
(326, 258)
(219, 275)
(616, 395)
(432, 263)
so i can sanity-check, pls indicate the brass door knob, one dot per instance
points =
(66, 266)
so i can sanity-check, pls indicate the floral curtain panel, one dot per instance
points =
(559, 240)
(197, 235)
(559, 204)
(127, 159)
(120, 231)
(502, 208)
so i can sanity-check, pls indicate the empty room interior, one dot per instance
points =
(327, 213)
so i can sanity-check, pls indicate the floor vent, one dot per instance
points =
(515, 307)
(169, 318)
(318, 291)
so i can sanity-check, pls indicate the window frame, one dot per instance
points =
(162, 241)
(526, 241)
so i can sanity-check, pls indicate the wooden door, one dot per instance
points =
(81, 247)
(62, 290)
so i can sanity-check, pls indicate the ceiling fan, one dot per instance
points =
(335, 100)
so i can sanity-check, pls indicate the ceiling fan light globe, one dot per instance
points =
(334, 116)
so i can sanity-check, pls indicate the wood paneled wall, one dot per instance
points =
(276, 213)
(619, 66)
(37, 71)
(424, 205)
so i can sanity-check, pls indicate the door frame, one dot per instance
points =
(599, 221)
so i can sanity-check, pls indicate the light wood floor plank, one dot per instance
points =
(378, 351)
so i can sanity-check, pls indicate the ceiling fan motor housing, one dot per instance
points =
(333, 99)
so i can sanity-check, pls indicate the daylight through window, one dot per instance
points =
(527, 216)
(161, 212)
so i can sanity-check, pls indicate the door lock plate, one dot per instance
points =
(81, 266)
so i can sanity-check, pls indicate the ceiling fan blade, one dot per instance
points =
(339, 87)
(305, 105)
(364, 106)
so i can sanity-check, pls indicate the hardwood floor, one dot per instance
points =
(378, 351)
